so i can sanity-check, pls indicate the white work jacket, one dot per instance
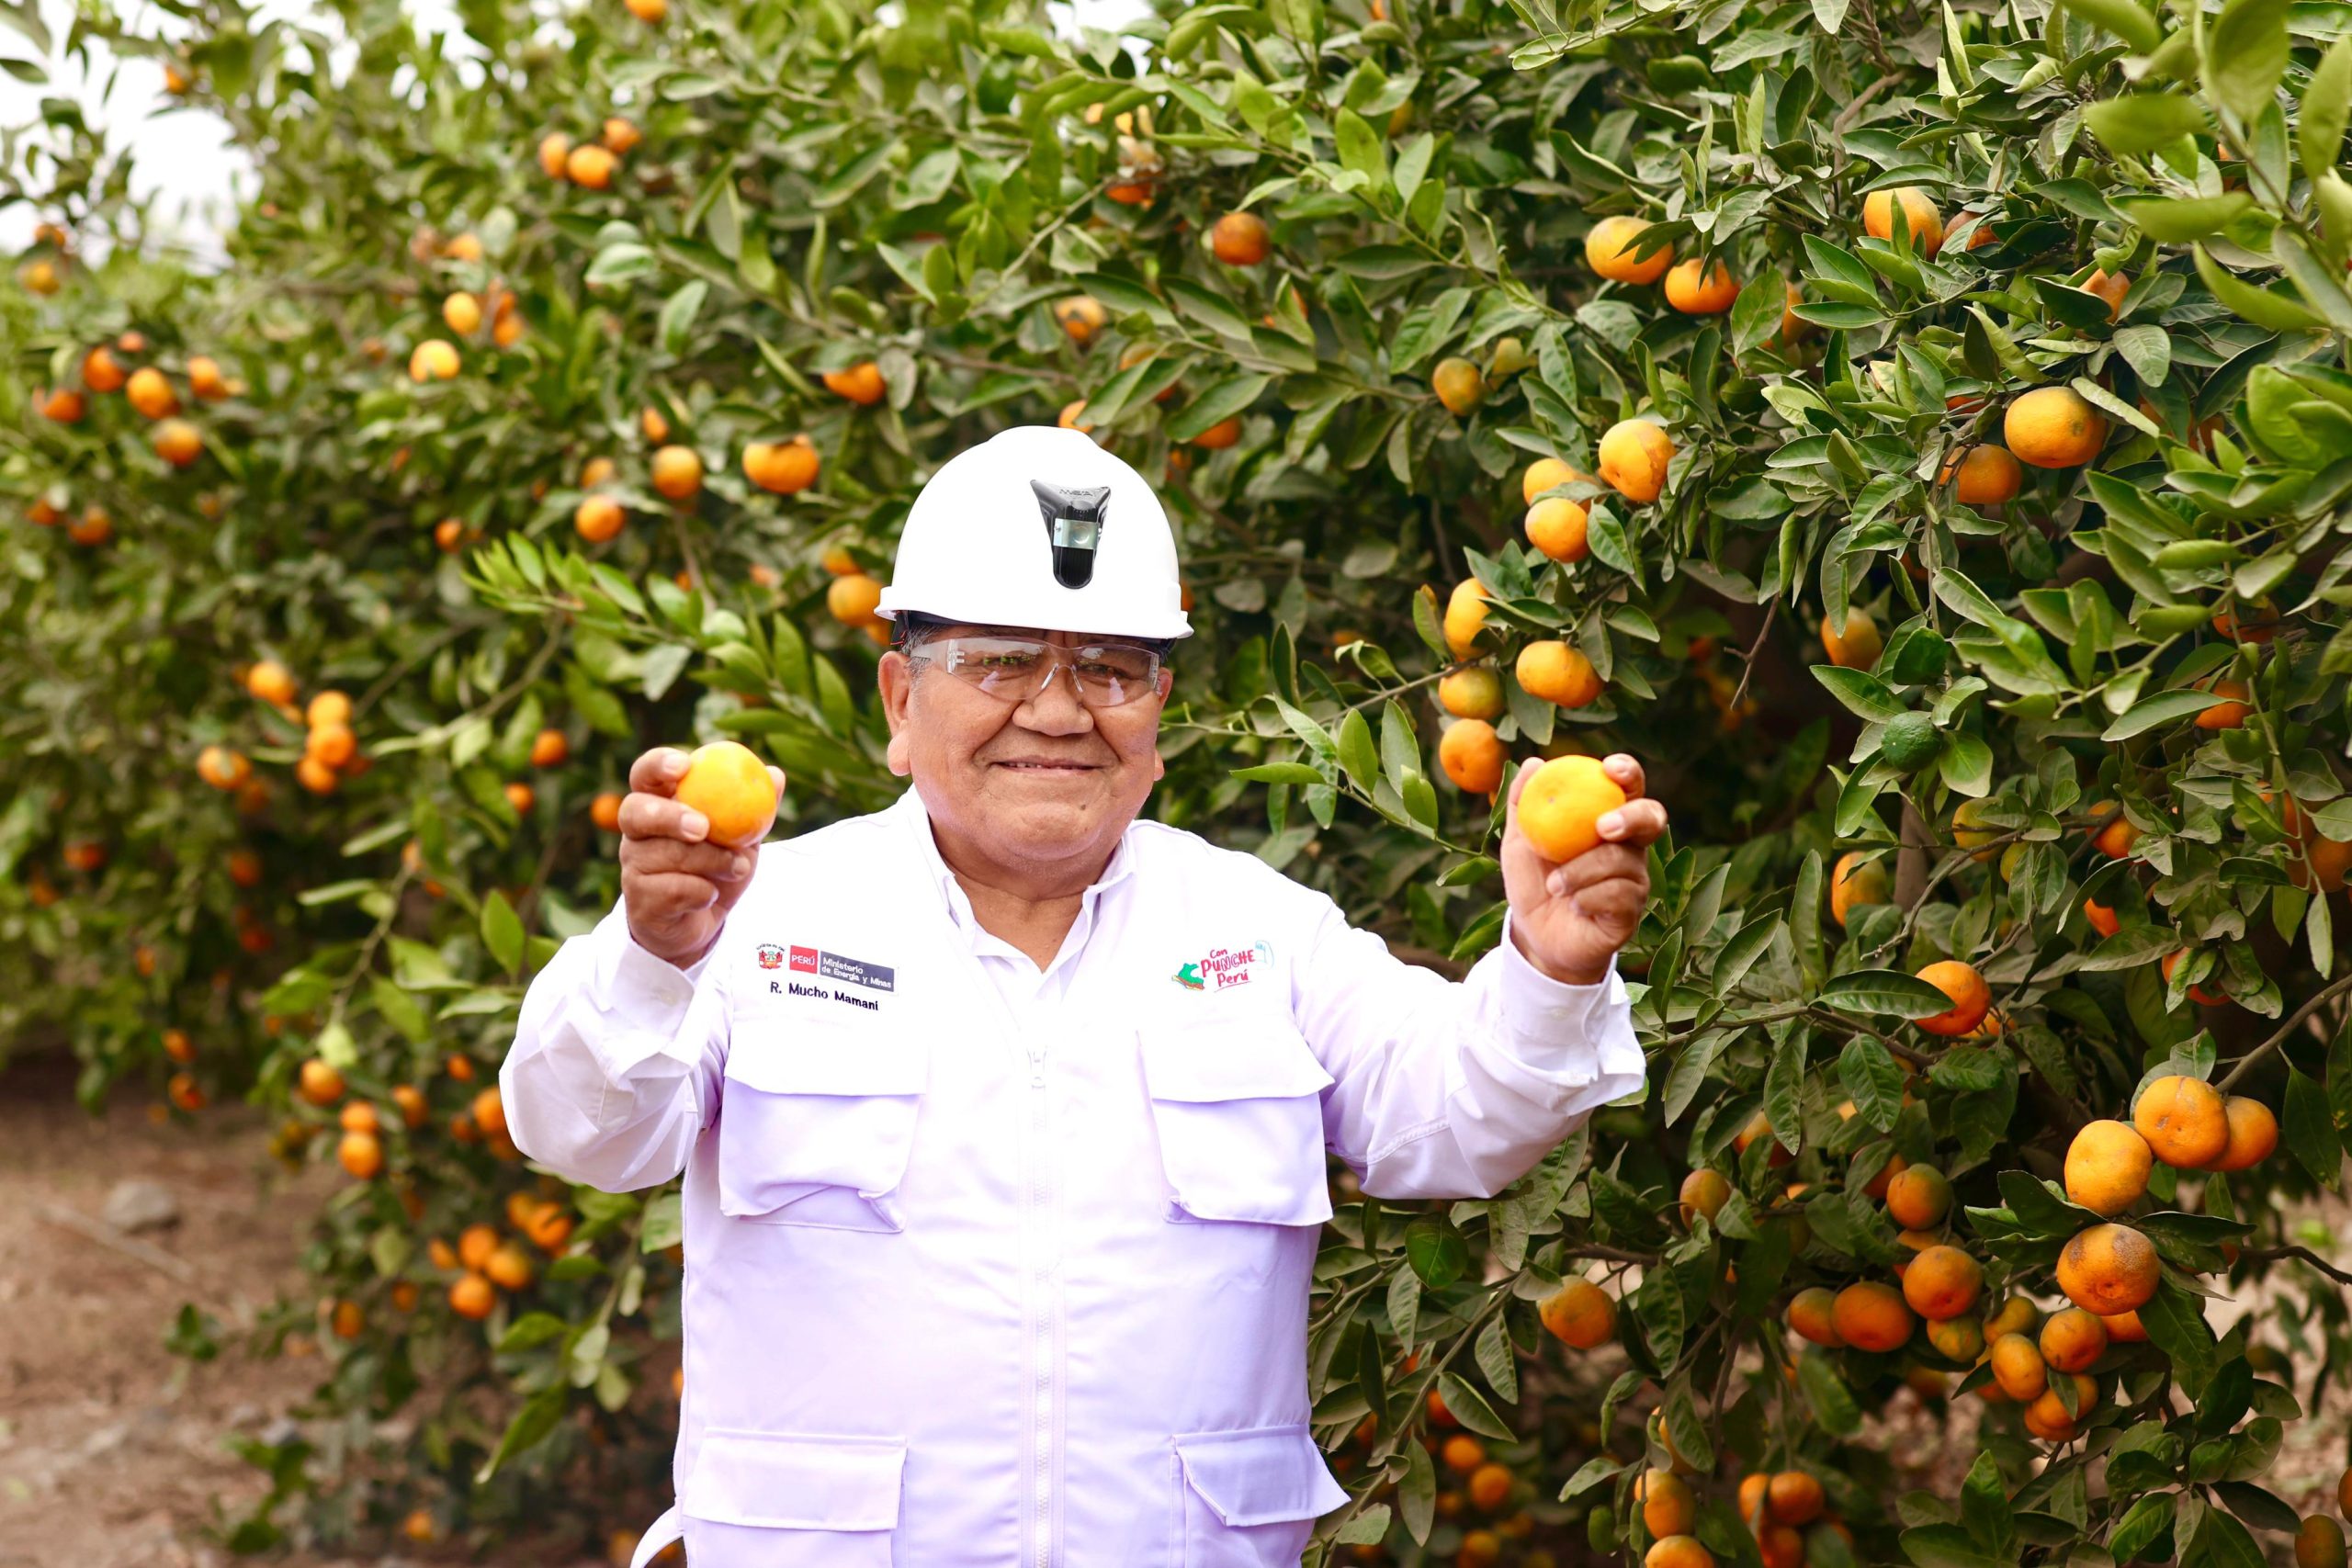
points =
(986, 1267)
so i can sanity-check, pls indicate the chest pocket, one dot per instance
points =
(817, 1121)
(1237, 1106)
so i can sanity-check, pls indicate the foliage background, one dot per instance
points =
(825, 184)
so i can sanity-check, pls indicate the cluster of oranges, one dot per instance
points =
(108, 369)
(589, 165)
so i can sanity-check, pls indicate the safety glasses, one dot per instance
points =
(1015, 668)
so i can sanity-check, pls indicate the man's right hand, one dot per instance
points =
(676, 886)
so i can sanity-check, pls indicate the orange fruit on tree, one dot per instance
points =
(434, 359)
(1561, 807)
(1857, 645)
(1919, 215)
(2108, 1269)
(1984, 476)
(2047, 1418)
(1474, 692)
(472, 1295)
(861, 383)
(2196, 993)
(1854, 882)
(1489, 1486)
(2101, 917)
(2014, 1316)
(591, 166)
(1971, 998)
(475, 1244)
(271, 682)
(521, 796)
(734, 791)
(461, 313)
(1876, 1187)
(2072, 1339)
(1958, 1339)
(2230, 711)
(1918, 1197)
(1755, 1493)
(1780, 1547)
(597, 471)
(2319, 1544)
(1942, 1281)
(782, 467)
(411, 1102)
(1465, 617)
(852, 599)
(184, 1093)
(489, 1112)
(1698, 288)
(620, 133)
(2124, 1327)
(1472, 756)
(360, 1154)
(1794, 1497)
(177, 442)
(318, 1082)
(63, 406)
(509, 1268)
(1704, 1192)
(359, 1116)
(1240, 238)
(2106, 1166)
(1543, 474)
(1634, 455)
(101, 371)
(2053, 427)
(677, 472)
(1459, 385)
(1081, 317)
(2115, 835)
(328, 706)
(331, 745)
(1872, 1317)
(1225, 432)
(2253, 1133)
(1614, 246)
(554, 148)
(598, 518)
(2258, 623)
(463, 247)
(1579, 1315)
(550, 749)
(2018, 1368)
(605, 811)
(1557, 673)
(2108, 286)
(151, 393)
(178, 1047)
(347, 1320)
(1462, 1453)
(1812, 1314)
(1556, 526)
(205, 380)
(1677, 1552)
(2184, 1122)
(222, 768)
(1669, 1506)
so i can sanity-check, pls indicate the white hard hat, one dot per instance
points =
(1038, 526)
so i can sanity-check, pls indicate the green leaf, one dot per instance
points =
(1219, 401)
(678, 315)
(1470, 1407)
(2246, 56)
(1873, 1080)
(2327, 105)
(2164, 707)
(2176, 221)
(1948, 1546)
(530, 1331)
(532, 1425)
(501, 931)
(1358, 755)
(1280, 773)
(2142, 123)
(1865, 696)
(2271, 307)
(2307, 1129)
(2125, 20)
(1436, 1250)
(2175, 1323)
(1883, 990)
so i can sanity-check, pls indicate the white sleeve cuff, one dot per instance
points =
(643, 1002)
(1572, 1046)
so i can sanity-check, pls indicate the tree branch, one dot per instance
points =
(2294, 1021)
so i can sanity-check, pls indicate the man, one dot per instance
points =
(1003, 1115)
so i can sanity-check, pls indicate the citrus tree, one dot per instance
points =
(1922, 434)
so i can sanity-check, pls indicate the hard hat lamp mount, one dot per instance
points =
(1074, 516)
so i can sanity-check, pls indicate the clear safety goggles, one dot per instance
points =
(1016, 669)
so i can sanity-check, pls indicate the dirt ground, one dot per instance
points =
(112, 1452)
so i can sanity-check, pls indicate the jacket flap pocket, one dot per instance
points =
(1259, 1477)
(1203, 1063)
(830, 1059)
(791, 1481)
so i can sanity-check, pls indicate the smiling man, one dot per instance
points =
(1004, 1114)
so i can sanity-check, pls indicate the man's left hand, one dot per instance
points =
(1570, 919)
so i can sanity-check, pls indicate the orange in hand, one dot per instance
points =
(732, 787)
(1561, 807)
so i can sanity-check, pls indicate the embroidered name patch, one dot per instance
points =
(1224, 967)
(833, 966)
